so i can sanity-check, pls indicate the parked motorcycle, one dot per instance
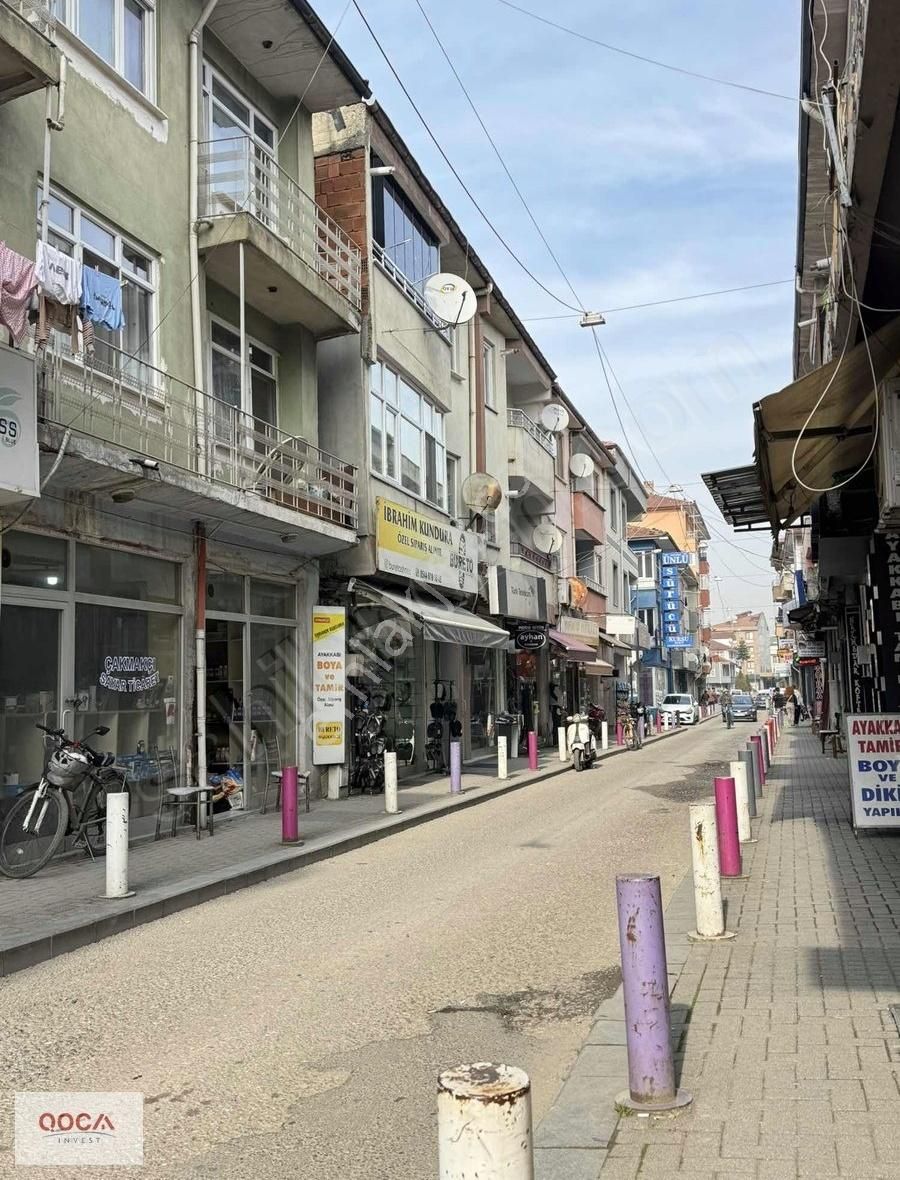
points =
(581, 742)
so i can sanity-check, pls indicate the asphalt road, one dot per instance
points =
(296, 1028)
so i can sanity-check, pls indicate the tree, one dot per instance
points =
(742, 653)
(742, 682)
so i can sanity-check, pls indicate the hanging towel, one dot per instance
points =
(17, 284)
(58, 274)
(101, 298)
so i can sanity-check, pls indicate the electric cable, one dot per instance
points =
(663, 302)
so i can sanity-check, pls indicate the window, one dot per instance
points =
(458, 337)
(401, 232)
(646, 560)
(119, 31)
(453, 486)
(261, 385)
(648, 618)
(94, 243)
(406, 436)
(614, 510)
(490, 528)
(490, 392)
(615, 583)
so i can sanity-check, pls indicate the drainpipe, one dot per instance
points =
(477, 347)
(50, 125)
(200, 654)
(193, 189)
(473, 397)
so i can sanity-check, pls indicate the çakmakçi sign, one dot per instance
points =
(19, 462)
(873, 741)
(424, 549)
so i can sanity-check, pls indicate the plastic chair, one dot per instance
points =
(172, 796)
(272, 755)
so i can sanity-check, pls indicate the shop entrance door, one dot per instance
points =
(29, 691)
(225, 743)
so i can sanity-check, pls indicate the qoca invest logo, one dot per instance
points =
(79, 1128)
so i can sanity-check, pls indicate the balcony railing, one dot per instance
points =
(409, 289)
(35, 13)
(544, 561)
(516, 417)
(237, 176)
(134, 405)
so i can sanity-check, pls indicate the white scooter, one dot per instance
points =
(580, 741)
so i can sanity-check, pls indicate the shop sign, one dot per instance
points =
(516, 596)
(129, 673)
(677, 558)
(585, 629)
(857, 680)
(424, 549)
(19, 463)
(884, 578)
(809, 647)
(531, 638)
(329, 656)
(808, 662)
(874, 752)
(672, 605)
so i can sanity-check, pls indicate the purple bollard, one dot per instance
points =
(290, 827)
(456, 768)
(727, 826)
(532, 750)
(645, 983)
(760, 761)
(658, 721)
(620, 734)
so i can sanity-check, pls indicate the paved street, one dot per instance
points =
(296, 1028)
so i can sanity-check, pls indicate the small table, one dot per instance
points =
(837, 746)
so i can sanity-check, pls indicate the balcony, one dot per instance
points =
(542, 561)
(299, 265)
(532, 459)
(29, 60)
(590, 518)
(206, 450)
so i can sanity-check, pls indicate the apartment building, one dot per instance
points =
(160, 560)
(751, 629)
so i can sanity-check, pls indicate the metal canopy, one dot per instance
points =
(440, 620)
(739, 496)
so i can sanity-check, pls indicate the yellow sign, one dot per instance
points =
(425, 548)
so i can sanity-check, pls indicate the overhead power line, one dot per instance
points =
(533, 319)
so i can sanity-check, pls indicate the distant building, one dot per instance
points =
(751, 628)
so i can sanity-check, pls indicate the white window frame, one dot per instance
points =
(426, 407)
(250, 367)
(210, 75)
(68, 13)
(457, 355)
(488, 362)
(613, 510)
(452, 485)
(646, 560)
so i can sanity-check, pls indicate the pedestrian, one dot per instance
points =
(798, 707)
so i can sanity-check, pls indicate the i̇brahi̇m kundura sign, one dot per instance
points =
(329, 659)
(873, 748)
(425, 548)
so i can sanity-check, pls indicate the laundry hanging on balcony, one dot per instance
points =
(64, 318)
(17, 284)
(58, 274)
(101, 299)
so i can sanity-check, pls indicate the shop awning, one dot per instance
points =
(573, 648)
(839, 435)
(613, 641)
(599, 668)
(739, 496)
(439, 621)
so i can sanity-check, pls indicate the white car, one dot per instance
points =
(682, 708)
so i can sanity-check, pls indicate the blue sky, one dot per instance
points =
(647, 184)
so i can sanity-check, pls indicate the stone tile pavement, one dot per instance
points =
(784, 1035)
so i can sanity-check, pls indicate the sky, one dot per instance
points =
(648, 185)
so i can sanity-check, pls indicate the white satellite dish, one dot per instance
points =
(547, 538)
(554, 418)
(451, 298)
(481, 492)
(581, 465)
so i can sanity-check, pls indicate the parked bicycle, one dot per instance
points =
(45, 814)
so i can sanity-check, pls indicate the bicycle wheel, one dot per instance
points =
(25, 850)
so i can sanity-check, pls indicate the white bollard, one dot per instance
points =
(335, 773)
(484, 1123)
(604, 735)
(501, 756)
(390, 783)
(561, 740)
(117, 845)
(707, 879)
(738, 771)
(667, 720)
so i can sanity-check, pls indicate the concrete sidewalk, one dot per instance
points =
(785, 1036)
(61, 908)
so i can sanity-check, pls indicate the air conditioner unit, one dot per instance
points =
(889, 458)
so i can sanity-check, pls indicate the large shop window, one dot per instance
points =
(407, 436)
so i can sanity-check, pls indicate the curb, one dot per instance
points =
(152, 904)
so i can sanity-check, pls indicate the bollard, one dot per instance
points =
(738, 772)
(658, 721)
(290, 828)
(604, 735)
(727, 828)
(335, 774)
(707, 880)
(746, 759)
(764, 746)
(645, 984)
(484, 1123)
(501, 757)
(117, 845)
(455, 768)
(532, 750)
(754, 769)
(773, 738)
(767, 732)
(756, 742)
(620, 734)
(561, 741)
(640, 730)
(667, 721)
(390, 783)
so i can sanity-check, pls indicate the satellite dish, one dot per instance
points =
(578, 592)
(451, 298)
(581, 465)
(481, 492)
(555, 418)
(547, 538)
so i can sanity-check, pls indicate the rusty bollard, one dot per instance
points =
(484, 1123)
(645, 983)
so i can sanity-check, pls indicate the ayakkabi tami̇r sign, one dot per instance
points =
(873, 741)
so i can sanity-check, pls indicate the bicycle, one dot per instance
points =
(44, 815)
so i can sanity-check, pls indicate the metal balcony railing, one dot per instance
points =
(130, 403)
(237, 176)
(409, 289)
(544, 561)
(36, 14)
(518, 418)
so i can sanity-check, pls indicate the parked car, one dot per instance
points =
(682, 707)
(762, 700)
(743, 707)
